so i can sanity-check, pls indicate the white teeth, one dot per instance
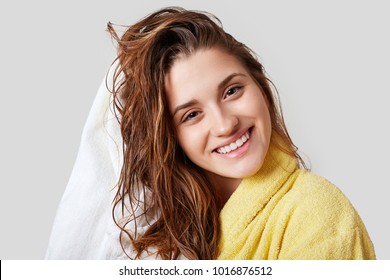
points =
(232, 146)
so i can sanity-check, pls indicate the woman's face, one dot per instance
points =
(220, 114)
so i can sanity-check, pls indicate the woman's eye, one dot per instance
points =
(232, 91)
(190, 116)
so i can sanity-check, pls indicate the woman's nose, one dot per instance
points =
(223, 123)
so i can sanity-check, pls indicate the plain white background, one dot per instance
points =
(329, 60)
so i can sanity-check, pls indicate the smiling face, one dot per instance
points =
(221, 117)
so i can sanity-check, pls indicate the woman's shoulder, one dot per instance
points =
(322, 216)
(322, 204)
(314, 196)
(310, 188)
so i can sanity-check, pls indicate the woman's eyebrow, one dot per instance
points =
(185, 105)
(227, 80)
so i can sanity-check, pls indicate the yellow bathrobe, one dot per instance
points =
(284, 212)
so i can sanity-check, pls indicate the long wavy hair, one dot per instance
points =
(157, 180)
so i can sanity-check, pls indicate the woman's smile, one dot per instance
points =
(237, 147)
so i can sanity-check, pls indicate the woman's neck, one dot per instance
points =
(224, 186)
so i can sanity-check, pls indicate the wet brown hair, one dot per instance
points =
(157, 181)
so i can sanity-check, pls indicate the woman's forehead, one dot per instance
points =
(202, 68)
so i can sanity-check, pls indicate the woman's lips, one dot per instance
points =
(234, 145)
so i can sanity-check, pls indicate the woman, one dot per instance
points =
(209, 168)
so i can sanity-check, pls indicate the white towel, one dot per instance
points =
(83, 227)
